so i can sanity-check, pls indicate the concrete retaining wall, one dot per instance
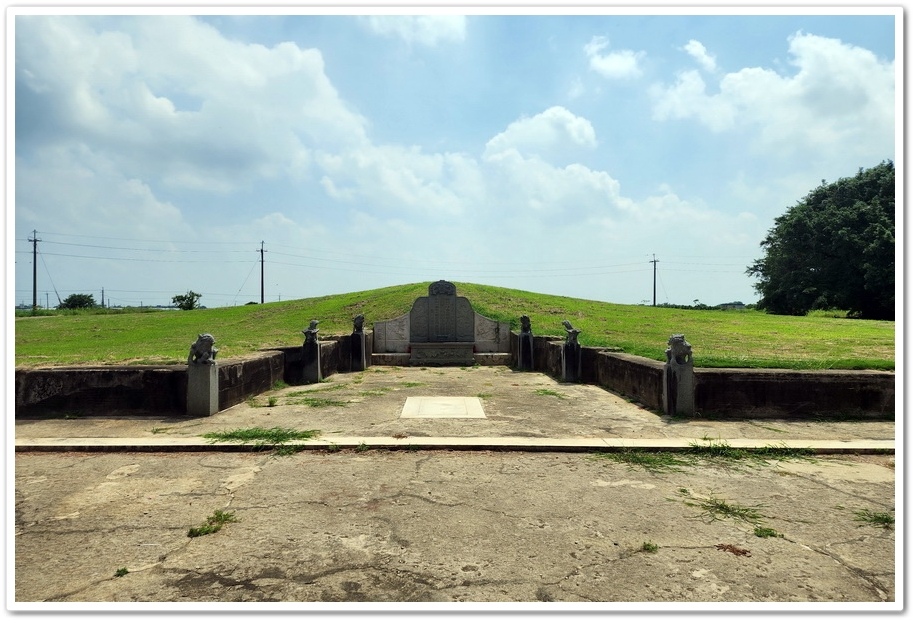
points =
(112, 390)
(725, 392)
(730, 392)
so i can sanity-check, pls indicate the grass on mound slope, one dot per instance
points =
(719, 338)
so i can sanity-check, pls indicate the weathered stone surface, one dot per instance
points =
(391, 336)
(203, 390)
(442, 316)
(442, 354)
(680, 382)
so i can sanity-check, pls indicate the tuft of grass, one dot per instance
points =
(319, 402)
(764, 533)
(883, 520)
(262, 436)
(214, 523)
(650, 461)
(381, 391)
(550, 392)
(713, 508)
(272, 401)
(279, 385)
(120, 573)
(649, 547)
(160, 429)
(362, 447)
(721, 451)
(411, 384)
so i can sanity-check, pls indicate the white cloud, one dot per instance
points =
(202, 112)
(698, 51)
(615, 64)
(553, 134)
(840, 95)
(429, 30)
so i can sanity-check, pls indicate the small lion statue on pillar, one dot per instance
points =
(679, 350)
(203, 351)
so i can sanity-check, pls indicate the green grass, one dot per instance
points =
(765, 533)
(709, 451)
(713, 508)
(262, 436)
(214, 523)
(650, 461)
(550, 392)
(649, 547)
(735, 338)
(882, 520)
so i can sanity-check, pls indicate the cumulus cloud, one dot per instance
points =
(614, 64)
(698, 51)
(839, 95)
(201, 112)
(552, 134)
(429, 30)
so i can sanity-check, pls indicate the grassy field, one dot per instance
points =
(719, 338)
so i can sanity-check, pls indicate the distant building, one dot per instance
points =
(733, 305)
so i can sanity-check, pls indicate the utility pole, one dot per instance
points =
(262, 272)
(654, 263)
(34, 240)
(103, 297)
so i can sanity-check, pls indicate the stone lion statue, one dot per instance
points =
(203, 351)
(572, 334)
(679, 350)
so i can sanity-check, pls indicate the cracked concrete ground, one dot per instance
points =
(538, 530)
(439, 526)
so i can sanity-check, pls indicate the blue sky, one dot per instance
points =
(549, 153)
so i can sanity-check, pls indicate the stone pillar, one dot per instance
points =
(311, 355)
(572, 355)
(526, 346)
(203, 377)
(203, 389)
(678, 389)
(358, 346)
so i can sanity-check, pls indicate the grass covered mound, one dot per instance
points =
(720, 338)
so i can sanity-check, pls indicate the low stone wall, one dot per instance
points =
(729, 392)
(111, 390)
(719, 392)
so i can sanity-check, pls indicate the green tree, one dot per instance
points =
(833, 250)
(77, 301)
(186, 301)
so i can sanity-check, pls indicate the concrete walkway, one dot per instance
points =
(475, 408)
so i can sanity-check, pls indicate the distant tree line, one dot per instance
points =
(833, 250)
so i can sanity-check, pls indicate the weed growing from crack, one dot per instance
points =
(764, 533)
(883, 520)
(261, 437)
(214, 523)
(716, 509)
(319, 402)
(650, 461)
(649, 547)
(549, 392)
(120, 573)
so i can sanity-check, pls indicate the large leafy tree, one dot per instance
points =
(186, 301)
(833, 250)
(77, 301)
